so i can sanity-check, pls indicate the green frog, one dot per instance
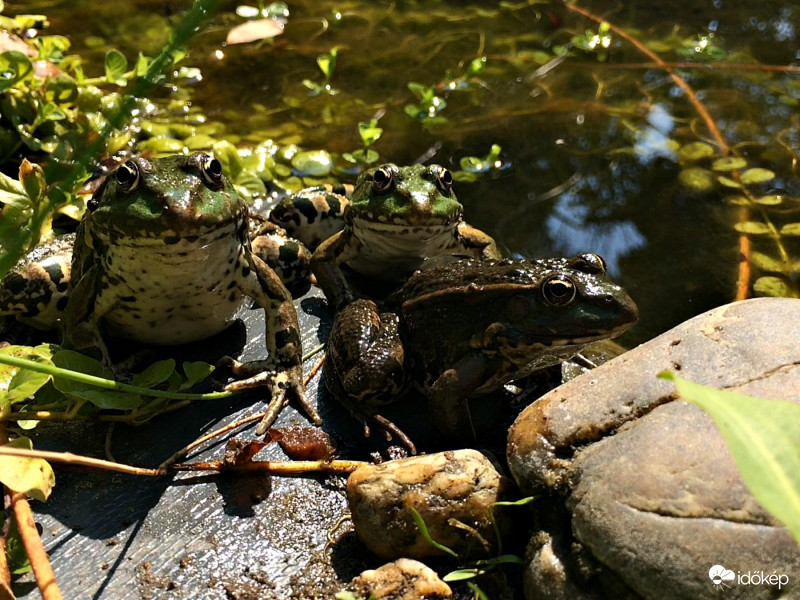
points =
(163, 255)
(397, 219)
(467, 328)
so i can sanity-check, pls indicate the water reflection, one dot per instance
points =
(573, 224)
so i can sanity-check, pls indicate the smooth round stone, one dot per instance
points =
(640, 495)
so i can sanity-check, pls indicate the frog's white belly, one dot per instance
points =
(173, 294)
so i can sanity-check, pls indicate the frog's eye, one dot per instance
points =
(382, 180)
(590, 263)
(211, 169)
(127, 176)
(444, 180)
(558, 290)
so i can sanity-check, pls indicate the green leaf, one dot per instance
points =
(116, 66)
(729, 163)
(728, 182)
(32, 476)
(462, 575)
(769, 200)
(75, 361)
(695, 151)
(772, 287)
(423, 529)
(156, 373)
(757, 175)
(107, 399)
(766, 262)
(763, 437)
(697, 179)
(22, 383)
(31, 176)
(195, 373)
(13, 193)
(369, 132)
(14, 67)
(751, 228)
(791, 229)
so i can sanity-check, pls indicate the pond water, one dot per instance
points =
(599, 144)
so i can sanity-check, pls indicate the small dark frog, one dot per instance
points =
(467, 328)
(397, 219)
(163, 255)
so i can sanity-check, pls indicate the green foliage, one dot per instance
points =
(33, 477)
(72, 385)
(326, 64)
(763, 437)
(598, 41)
(428, 106)
(16, 557)
(369, 134)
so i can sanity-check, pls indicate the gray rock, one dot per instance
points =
(647, 498)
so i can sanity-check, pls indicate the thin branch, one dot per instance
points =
(679, 81)
(274, 467)
(40, 564)
(5, 571)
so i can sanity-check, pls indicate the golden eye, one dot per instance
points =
(382, 180)
(559, 290)
(444, 180)
(127, 176)
(211, 169)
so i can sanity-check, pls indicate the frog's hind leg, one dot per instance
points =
(364, 367)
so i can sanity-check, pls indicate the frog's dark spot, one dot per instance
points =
(306, 207)
(128, 299)
(191, 238)
(288, 251)
(136, 315)
(171, 240)
(245, 271)
(231, 285)
(676, 366)
(61, 305)
(112, 280)
(183, 254)
(232, 296)
(335, 205)
(15, 283)
(674, 342)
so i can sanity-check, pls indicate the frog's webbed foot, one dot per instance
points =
(389, 429)
(283, 385)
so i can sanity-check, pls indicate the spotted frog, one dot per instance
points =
(397, 219)
(163, 255)
(467, 328)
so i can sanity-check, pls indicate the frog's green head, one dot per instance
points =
(417, 196)
(165, 199)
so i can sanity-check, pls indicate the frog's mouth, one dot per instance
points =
(195, 236)
(395, 239)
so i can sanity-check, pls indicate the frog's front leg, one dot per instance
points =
(477, 243)
(325, 264)
(88, 302)
(282, 371)
(448, 396)
(364, 368)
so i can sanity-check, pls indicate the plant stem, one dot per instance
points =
(274, 467)
(5, 571)
(108, 384)
(40, 564)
